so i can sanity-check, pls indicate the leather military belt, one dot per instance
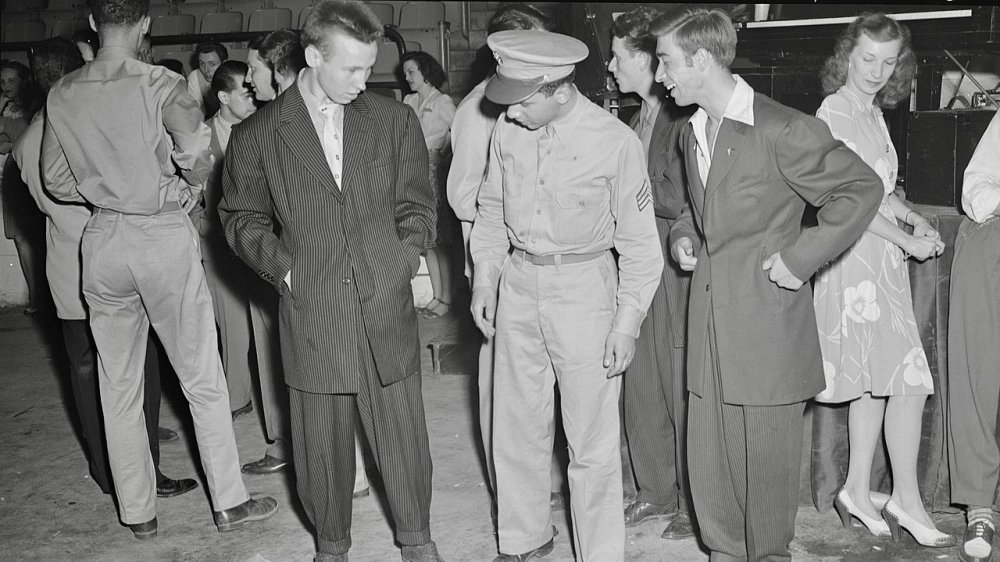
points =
(557, 259)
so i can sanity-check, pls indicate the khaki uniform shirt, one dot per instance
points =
(578, 185)
(117, 131)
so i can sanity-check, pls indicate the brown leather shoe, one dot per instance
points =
(250, 510)
(637, 512)
(266, 465)
(427, 552)
(680, 527)
(144, 531)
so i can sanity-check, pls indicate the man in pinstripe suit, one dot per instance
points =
(752, 164)
(343, 175)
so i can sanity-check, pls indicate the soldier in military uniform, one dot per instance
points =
(566, 185)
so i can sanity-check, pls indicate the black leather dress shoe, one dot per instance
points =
(250, 510)
(539, 552)
(680, 527)
(144, 531)
(637, 512)
(427, 552)
(243, 411)
(167, 435)
(168, 487)
(266, 465)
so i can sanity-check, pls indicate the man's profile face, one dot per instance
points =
(626, 66)
(344, 68)
(261, 77)
(240, 102)
(537, 111)
(676, 71)
(207, 63)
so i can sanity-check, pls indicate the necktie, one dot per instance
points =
(333, 146)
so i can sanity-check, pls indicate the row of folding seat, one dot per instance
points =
(412, 15)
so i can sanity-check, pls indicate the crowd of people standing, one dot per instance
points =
(275, 206)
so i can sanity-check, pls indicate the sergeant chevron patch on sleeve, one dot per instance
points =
(644, 197)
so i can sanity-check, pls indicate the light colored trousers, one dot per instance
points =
(140, 271)
(552, 323)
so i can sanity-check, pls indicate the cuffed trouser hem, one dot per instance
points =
(657, 499)
(414, 538)
(334, 547)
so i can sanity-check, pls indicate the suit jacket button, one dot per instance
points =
(706, 287)
(346, 280)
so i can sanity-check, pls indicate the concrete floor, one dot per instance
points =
(50, 510)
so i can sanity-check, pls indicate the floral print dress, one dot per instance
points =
(864, 309)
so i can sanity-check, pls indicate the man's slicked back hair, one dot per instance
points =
(282, 51)
(354, 19)
(519, 16)
(120, 13)
(697, 28)
(632, 28)
(229, 76)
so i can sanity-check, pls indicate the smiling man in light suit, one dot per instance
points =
(752, 166)
(343, 175)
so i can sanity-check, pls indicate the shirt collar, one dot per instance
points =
(739, 108)
(313, 103)
(562, 127)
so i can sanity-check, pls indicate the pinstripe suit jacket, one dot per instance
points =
(666, 178)
(352, 249)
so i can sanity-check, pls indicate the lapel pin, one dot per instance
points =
(729, 151)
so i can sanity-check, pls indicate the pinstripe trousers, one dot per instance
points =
(744, 463)
(655, 411)
(323, 449)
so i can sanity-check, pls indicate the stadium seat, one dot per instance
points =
(222, 22)
(270, 19)
(199, 10)
(386, 62)
(296, 7)
(180, 24)
(303, 14)
(385, 12)
(415, 15)
(67, 27)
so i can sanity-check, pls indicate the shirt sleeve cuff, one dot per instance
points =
(628, 320)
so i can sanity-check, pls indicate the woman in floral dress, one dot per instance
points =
(872, 355)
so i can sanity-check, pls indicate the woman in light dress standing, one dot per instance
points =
(872, 355)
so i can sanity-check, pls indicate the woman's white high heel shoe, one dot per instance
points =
(846, 508)
(927, 536)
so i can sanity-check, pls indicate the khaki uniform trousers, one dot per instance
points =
(140, 271)
(552, 323)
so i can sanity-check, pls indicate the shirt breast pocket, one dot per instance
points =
(581, 211)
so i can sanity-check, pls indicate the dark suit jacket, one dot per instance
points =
(758, 186)
(666, 177)
(352, 251)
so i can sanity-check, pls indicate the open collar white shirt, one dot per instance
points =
(739, 108)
